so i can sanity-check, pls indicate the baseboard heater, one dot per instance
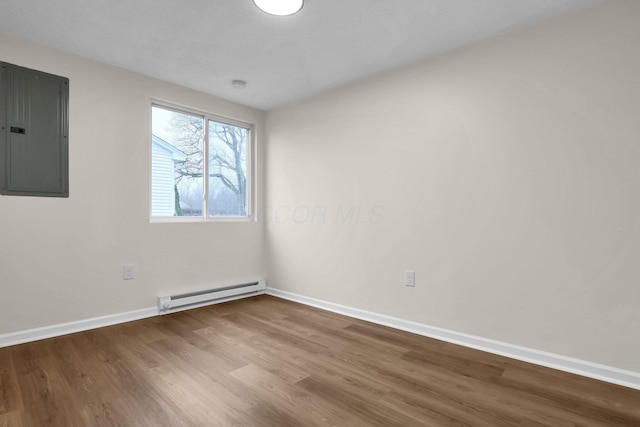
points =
(171, 303)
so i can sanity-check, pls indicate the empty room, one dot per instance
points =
(320, 213)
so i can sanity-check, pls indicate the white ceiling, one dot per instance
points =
(204, 44)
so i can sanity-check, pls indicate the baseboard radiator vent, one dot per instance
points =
(172, 303)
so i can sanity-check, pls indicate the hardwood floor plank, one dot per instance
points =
(572, 403)
(364, 407)
(457, 365)
(269, 414)
(41, 395)
(10, 399)
(265, 361)
(434, 387)
(11, 419)
(285, 337)
(434, 411)
(293, 401)
(201, 369)
(113, 378)
(503, 405)
(583, 390)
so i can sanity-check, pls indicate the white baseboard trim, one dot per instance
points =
(563, 363)
(72, 327)
(44, 332)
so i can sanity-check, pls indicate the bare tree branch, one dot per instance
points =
(226, 157)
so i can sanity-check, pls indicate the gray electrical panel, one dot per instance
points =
(34, 133)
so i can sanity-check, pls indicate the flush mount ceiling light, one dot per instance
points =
(279, 7)
(239, 84)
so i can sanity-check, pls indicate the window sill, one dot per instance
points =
(197, 219)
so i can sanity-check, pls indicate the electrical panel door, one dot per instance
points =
(34, 136)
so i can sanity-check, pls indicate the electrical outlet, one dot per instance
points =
(410, 278)
(128, 272)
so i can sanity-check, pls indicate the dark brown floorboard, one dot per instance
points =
(265, 361)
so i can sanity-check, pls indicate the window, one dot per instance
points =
(200, 166)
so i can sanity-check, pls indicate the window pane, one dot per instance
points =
(227, 170)
(177, 163)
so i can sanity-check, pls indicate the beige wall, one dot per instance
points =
(507, 175)
(61, 259)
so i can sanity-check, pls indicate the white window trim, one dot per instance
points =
(251, 214)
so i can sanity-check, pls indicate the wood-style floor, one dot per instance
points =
(264, 361)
